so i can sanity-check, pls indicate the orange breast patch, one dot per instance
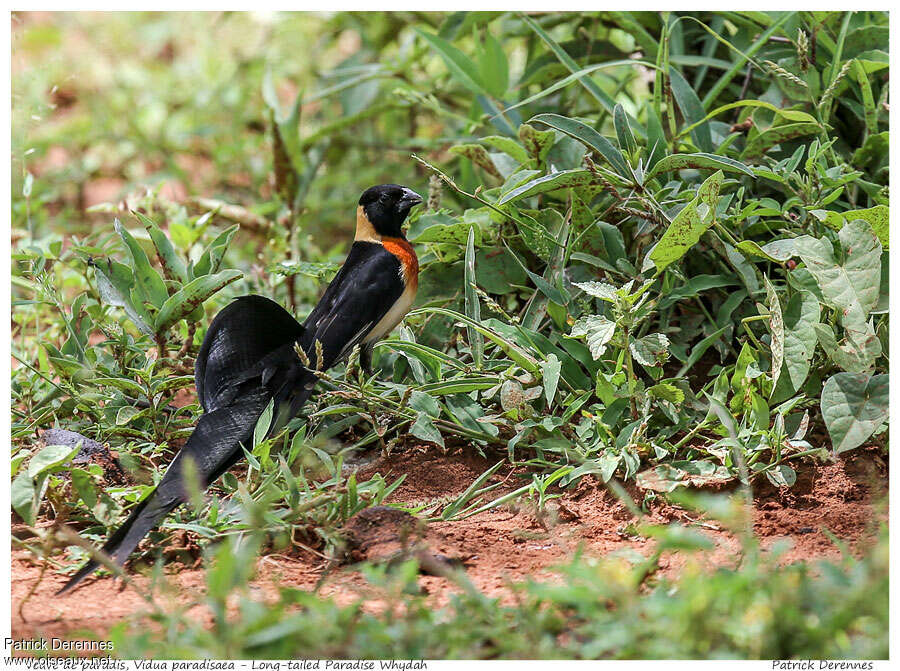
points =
(408, 259)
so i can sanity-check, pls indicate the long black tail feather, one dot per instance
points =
(246, 361)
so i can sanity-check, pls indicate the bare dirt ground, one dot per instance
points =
(498, 547)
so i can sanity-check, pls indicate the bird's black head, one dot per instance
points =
(385, 207)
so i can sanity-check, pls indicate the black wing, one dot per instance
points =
(241, 336)
(366, 287)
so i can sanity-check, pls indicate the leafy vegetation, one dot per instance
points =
(655, 249)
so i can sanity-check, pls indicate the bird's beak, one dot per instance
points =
(409, 200)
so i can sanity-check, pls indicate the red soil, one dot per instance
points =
(498, 547)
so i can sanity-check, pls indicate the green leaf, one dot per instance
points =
(49, 458)
(782, 476)
(151, 285)
(651, 350)
(777, 251)
(602, 290)
(497, 272)
(424, 429)
(22, 494)
(575, 76)
(170, 261)
(589, 137)
(440, 227)
(853, 285)
(685, 230)
(126, 414)
(598, 330)
(192, 296)
(699, 161)
(623, 130)
(858, 351)
(212, 256)
(557, 180)
(460, 66)
(114, 282)
(757, 145)
(264, 423)
(692, 110)
(550, 374)
(508, 146)
(461, 385)
(493, 66)
(666, 392)
(854, 405)
(478, 155)
(801, 314)
(877, 217)
(776, 327)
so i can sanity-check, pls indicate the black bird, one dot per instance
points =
(248, 356)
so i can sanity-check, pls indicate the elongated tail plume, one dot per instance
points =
(246, 360)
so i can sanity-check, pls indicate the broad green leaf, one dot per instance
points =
(853, 406)
(192, 296)
(782, 476)
(50, 457)
(601, 290)
(666, 392)
(440, 227)
(126, 414)
(552, 182)
(851, 286)
(497, 271)
(699, 161)
(597, 329)
(423, 402)
(856, 353)
(508, 146)
(651, 350)
(692, 110)
(685, 230)
(424, 429)
(777, 251)
(801, 315)
(878, 218)
(589, 137)
(460, 66)
(22, 494)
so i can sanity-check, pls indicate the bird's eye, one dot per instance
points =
(384, 198)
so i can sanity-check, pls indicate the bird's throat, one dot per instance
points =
(365, 231)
